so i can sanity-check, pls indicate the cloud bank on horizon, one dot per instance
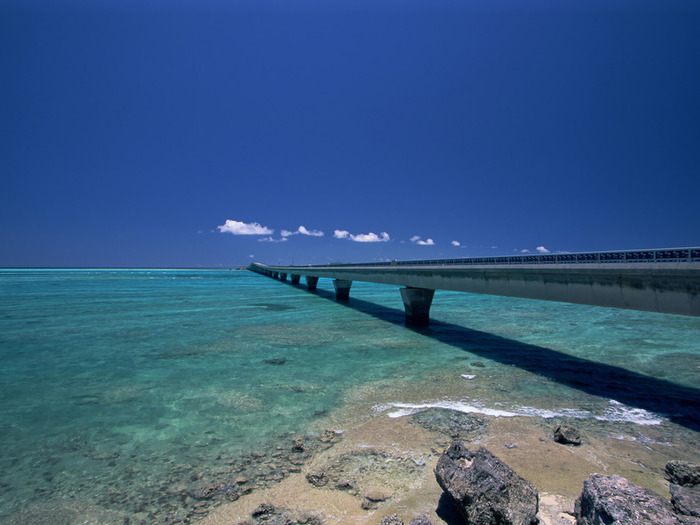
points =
(254, 228)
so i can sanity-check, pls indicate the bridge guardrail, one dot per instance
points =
(668, 255)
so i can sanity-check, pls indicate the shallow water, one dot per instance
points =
(123, 389)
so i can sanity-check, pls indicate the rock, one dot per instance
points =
(264, 509)
(317, 479)
(420, 520)
(456, 425)
(683, 473)
(484, 489)
(613, 500)
(309, 519)
(567, 435)
(298, 443)
(328, 436)
(344, 484)
(376, 496)
(276, 361)
(685, 499)
(368, 505)
(478, 364)
(241, 480)
(206, 492)
(392, 519)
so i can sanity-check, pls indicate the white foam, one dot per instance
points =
(407, 409)
(623, 413)
(617, 412)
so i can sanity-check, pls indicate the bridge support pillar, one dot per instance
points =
(416, 303)
(311, 282)
(342, 289)
(275, 275)
(295, 278)
(283, 277)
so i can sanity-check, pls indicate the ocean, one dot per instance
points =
(123, 390)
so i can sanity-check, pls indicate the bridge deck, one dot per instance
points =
(653, 280)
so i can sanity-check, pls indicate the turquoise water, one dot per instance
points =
(122, 390)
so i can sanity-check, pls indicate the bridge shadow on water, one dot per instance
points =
(678, 403)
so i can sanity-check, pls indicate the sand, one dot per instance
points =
(396, 456)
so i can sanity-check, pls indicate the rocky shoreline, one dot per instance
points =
(483, 490)
(385, 470)
(388, 472)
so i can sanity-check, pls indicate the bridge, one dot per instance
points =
(666, 280)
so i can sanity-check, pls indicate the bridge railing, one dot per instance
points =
(631, 256)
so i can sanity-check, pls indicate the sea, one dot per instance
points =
(121, 390)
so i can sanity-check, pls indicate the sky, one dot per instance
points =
(178, 133)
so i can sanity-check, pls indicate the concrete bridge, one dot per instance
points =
(665, 280)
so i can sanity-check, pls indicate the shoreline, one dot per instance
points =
(405, 454)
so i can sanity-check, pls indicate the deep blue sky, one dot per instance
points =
(130, 131)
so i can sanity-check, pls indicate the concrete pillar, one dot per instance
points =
(283, 277)
(311, 282)
(295, 279)
(342, 289)
(416, 303)
(275, 275)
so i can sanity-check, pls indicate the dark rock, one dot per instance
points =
(687, 520)
(683, 473)
(392, 519)
(686, 499)
(613, 500)
(368, 505)
(276, 361)
(328, 436)
(298, 443)
(203, 493)
(420, 520)
(264, 509)
(478, 364)
(484, 489)
(567, 435)
(317, 479)
(344, 484)
(309, 519)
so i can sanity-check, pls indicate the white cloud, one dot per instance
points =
(270, 239)
(362, 237)
(303, 230)
(455, 243)
(542, 249)
(242, 228)
(312, 233)
(371, 237)
(416, 239)
(525, 251)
